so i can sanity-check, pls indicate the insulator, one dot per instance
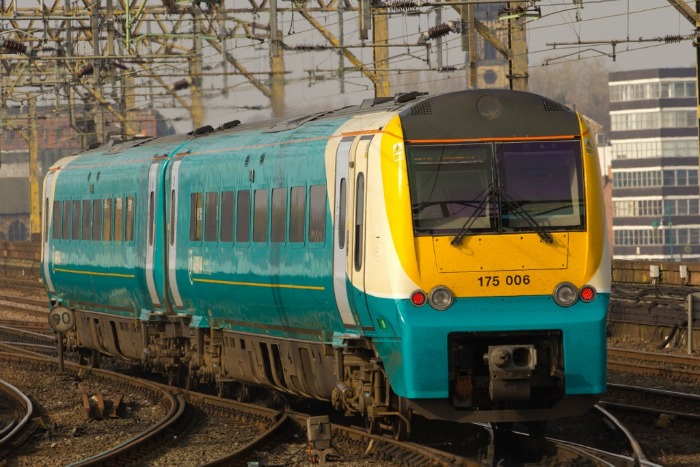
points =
(669, 39)
(85, 70)
(447, 69)
(116, 64)
(439, 31)
(309, 48)
(14, 46)
(170, 6)
(402, 5)
(179, 85)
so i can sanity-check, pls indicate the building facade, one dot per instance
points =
(654, 164)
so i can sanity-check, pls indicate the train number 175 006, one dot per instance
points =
(496, 281)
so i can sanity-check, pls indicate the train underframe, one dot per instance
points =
(493, 377)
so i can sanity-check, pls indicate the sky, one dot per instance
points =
(611, 20)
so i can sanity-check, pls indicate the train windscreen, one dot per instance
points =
(528, 186)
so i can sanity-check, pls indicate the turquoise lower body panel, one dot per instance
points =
(417, 362)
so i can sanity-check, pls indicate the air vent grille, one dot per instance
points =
(422, 108)
(553, 106)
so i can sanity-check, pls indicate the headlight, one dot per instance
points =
(565, 294)
(440, 298)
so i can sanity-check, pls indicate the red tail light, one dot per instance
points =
(587, 293)
(419, 298)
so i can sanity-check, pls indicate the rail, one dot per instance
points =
(22, 405)
(654, 364)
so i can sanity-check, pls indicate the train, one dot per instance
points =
(438, 256)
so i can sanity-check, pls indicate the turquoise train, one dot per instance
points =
(443, 256)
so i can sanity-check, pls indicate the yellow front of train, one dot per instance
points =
(494, 206)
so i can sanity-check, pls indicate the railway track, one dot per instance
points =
(180, 408)
(653, 401)
(292, 426)
(16, 412)
(677, 367)
(268, 429)
(26, 285)
(23, 297)
(663, 421)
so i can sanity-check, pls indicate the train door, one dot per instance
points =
(155, 280)
(172, 231)
(47, 215)
(357, 209)
(340, 233)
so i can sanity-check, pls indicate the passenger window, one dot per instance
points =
(279, 215)
(297, 214)
(317, 213)
(76, 220)
(118, 219)
(243, 216)
(65, 226)
(260, 217)
(56, 220)
(196, 217)
(87, 216)
(211, 217)
(226, 216)
(359, 219)
(107, 221)
(129, 237)
(96, 219)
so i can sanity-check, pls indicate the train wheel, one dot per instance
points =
(401, 424)
(192, 379)
(399, 429)
(174, 376)
(241, 392)
(223, 389)
(192, 382)
(95, 359)
(83, 357)
(372, 424)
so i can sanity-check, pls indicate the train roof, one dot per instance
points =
(482, 113)
(487, 113)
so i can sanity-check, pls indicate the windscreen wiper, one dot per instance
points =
(481, 207)
(518, 211)
(492, 191)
